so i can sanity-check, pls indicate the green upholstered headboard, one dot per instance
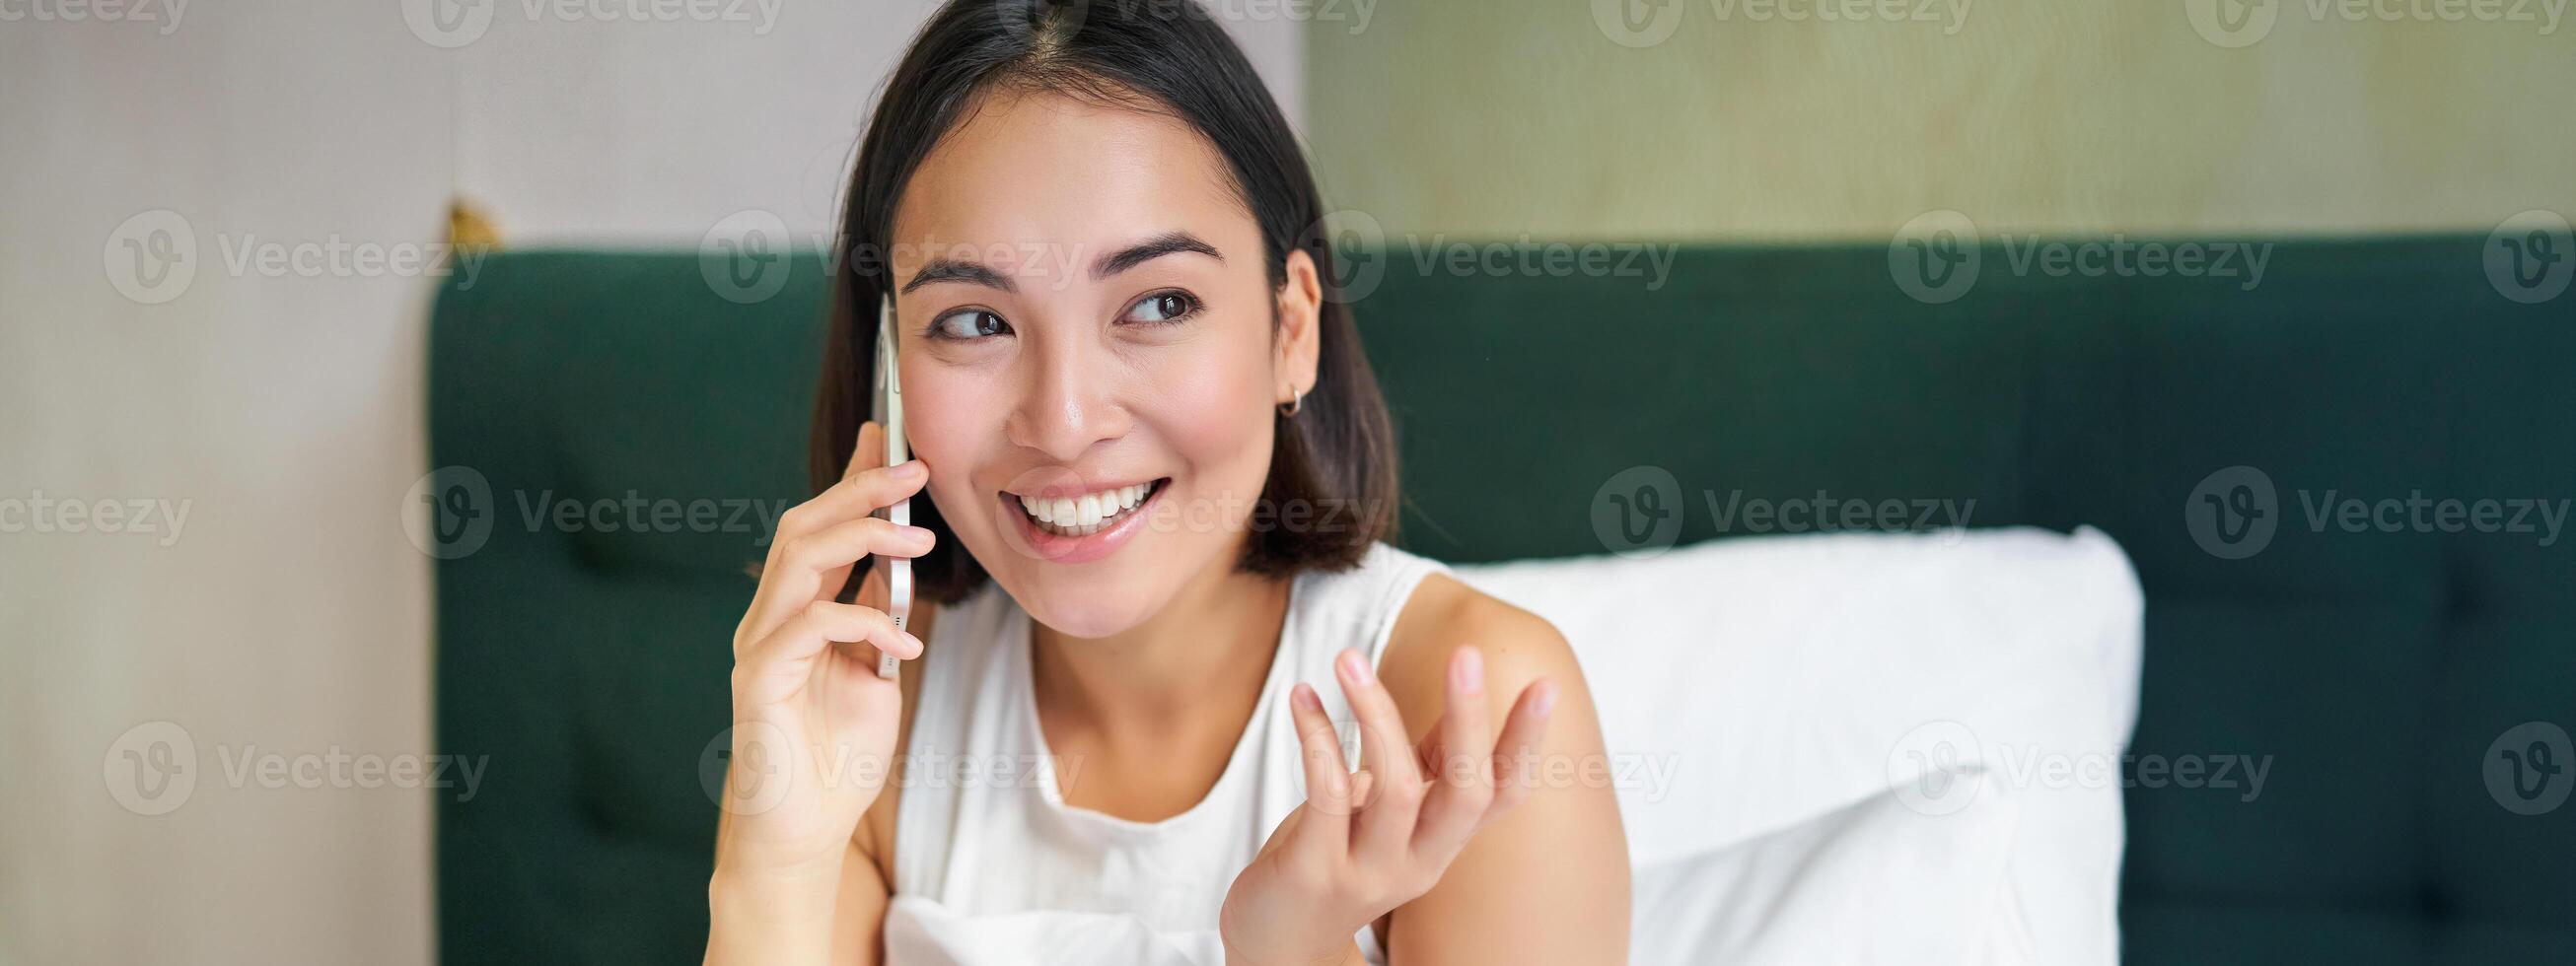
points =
(584, 650)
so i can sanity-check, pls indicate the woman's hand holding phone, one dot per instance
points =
(1365, 843)
(813, 725)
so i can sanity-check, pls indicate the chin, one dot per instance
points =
(1077, 612)
(1093, 600)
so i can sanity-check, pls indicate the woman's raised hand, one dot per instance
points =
(1365, 843)
(813, 725)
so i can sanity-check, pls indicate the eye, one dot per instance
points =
(1162, 307)
(968, 324)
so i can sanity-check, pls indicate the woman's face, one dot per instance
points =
(1089, 361)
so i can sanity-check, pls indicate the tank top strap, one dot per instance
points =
(1358, 608)
(1351, 608)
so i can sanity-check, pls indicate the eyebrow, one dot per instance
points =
(1169, 243)
(954, 270)
(976, 273)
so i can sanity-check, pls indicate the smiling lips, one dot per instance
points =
(1089, 513)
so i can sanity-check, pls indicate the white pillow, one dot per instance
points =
(1751, 686)
(1873, 882)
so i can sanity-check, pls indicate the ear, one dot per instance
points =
(1301, 311)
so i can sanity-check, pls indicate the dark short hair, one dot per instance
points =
(1337, 452)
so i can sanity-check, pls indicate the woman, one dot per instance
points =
(1158, 470)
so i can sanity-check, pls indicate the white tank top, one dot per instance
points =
(992, 867)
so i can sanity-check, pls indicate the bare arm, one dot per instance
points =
(1548, 882)
(1470, 833)
(858, 916)
(809, 711)
(855, 902)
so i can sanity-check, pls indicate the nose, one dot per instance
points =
(1067, 401)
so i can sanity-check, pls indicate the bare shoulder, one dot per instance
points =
(1443, 615)
(1548, 881)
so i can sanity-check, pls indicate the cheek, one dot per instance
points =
(950, 438)
(1213, 408)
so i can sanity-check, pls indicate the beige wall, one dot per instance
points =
(286, 616)
(284, 612)
(1504, 117)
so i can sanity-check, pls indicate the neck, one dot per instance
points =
(1209, 649)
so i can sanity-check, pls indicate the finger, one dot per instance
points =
(812, 567)
(1461, 766)
(1516, 761)
(1328, 777)
(870, 452)
(778, 664)
(1283, 835)
(1386, 821)
(854, 496)
(872, 590)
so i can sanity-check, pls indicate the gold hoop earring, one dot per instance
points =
(1295, 402)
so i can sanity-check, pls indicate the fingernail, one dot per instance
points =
(909, 469)
(1468, 671)
(1305, 698)
(917, 646)
(1545, 701)
(920, 536)
(1353, 669)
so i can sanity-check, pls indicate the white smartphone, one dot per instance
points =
(889, 415)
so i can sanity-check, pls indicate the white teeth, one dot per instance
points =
(1087, 514)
